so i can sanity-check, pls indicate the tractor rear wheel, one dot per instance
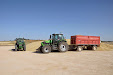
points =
(15, 47)
(63, 47)
(46, 49)
(24, 48)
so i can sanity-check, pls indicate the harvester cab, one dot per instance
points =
(56, 42)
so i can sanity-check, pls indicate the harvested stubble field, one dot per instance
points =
(7, 43)
(12, 43)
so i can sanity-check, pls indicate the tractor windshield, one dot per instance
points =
(20, 40)
(61, 37)
(58, 37)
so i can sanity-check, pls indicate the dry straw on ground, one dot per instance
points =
(103, 47)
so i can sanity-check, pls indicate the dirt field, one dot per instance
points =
(55, 63)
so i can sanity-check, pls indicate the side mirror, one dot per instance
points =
(50, 36)
(65, 38)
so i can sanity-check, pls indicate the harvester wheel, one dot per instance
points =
(24, 48)
(63, 47)
(79, 48)
(94, 48)
(46, 49)
(15, 47)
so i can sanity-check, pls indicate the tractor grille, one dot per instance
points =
(20, 44)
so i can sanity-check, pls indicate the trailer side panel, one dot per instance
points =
(85, 40)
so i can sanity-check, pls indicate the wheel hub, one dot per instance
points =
(94, 48)
(46, 50)
(63, 47)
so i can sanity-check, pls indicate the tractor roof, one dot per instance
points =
(19, 39)
(57, 34)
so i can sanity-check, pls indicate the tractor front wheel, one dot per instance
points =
(24, 48)
(15, 47)
(63, 47)
(46, 49)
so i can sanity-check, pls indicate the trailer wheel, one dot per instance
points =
(15, 47)
(46, 49)
(79, 48)
(63, 47)
(94, 48)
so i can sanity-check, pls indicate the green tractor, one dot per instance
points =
(20, 44)
(57, 42)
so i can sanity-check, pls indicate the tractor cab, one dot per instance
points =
(19, 40)
(57, 37)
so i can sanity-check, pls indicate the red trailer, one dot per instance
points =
(85, 42)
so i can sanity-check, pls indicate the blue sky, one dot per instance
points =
(37, 19)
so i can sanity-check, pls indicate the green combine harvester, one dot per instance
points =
(20, 44)
(57, 42)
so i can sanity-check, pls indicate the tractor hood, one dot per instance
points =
(46, 42)
(20, 42)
